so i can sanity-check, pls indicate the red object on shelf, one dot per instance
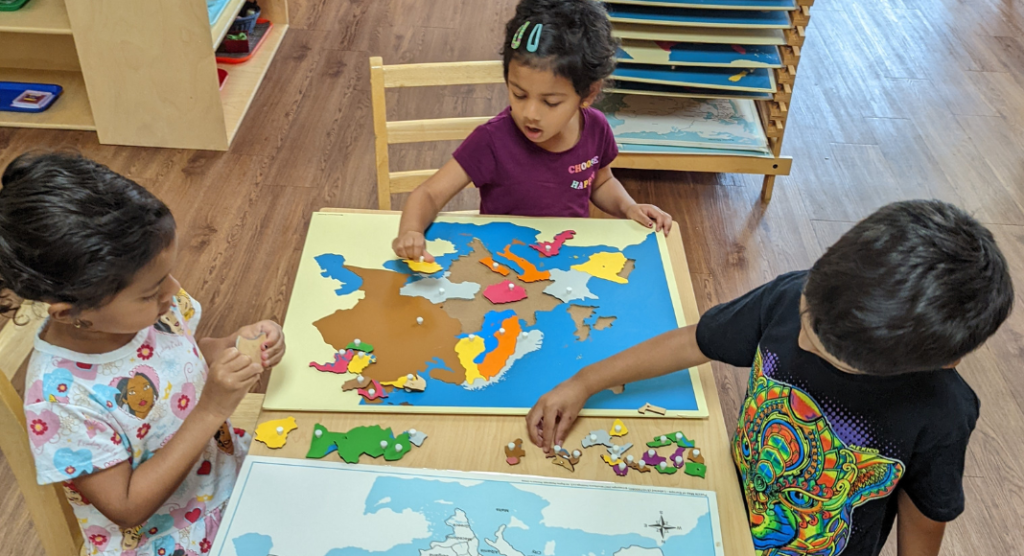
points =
(256, 38)
(222, 76)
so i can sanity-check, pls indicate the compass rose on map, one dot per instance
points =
(662, 526)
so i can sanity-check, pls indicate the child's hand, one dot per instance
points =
(651, 216)
(412, 245)
(554, 413)
(231, 376)
(273, 345)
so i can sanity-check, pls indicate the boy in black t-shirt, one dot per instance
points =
(854, 411)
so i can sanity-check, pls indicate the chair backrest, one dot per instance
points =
(54, 521)
(418, 131)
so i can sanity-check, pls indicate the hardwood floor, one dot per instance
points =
(894, 99)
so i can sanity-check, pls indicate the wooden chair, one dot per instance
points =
(55, 522)
(450, 129)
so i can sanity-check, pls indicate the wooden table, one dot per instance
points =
(476, 442)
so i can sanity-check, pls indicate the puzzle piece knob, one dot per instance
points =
(412, 432)
(472, 336)
(663, 465)
(494, 265)
(547, 248)
(371, 391)
(651, 452)
(664, 439)
(629, 459)
(360, 379)
(398, 447)
(568, 289)
(383, 444)
(679, 460)
(558, 448)
(524, 334)
(621, 466)
(419, 320)
(641, 464)
(501, 330)
(511, 445)
(575, 453)
(618, 428)
(679, 436)
(511, 286)
(280, 430)
(357, 341)
(421, 258)
(696, 451)
(318, 433)
(593, 438)
(409, 377)
(440, 291)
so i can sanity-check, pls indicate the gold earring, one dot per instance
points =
(79, 323)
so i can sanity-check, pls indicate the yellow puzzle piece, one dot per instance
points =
(275, 433)
(604, 265)
(618, 428)
(609, 460)
(423, 267)
(360, 361)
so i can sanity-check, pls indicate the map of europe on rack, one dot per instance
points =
(511, 308)
(362, 510)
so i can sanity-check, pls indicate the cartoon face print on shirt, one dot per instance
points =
(224, 441)
(802, 483)
(137, 393)
(169, 323)
(130, 537)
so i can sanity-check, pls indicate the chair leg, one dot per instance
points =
(766, 188)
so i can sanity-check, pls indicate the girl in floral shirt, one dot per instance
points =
(121, 405)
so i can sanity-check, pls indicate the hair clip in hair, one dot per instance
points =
(534, 41)
(517, 39)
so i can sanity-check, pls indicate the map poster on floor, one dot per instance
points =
(358, 510)
(510, 308)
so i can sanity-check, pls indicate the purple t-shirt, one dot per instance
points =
(515, 176)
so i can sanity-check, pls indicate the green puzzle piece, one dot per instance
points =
(666, 470)
(391, 454)
(363, 347)
(678, 438)
(325, 443)
(695, 469)
(363, 440)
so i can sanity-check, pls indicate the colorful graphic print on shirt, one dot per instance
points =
(800, 480)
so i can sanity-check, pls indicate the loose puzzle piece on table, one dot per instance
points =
(564, 459)
(665, 469)
(505, 292)
(514, 452)
(372, 441)
(551, 248)
(275, 433)
(251, 347)
(677, 438)
(678, 458)
(416, 437)
(597, 437)
(696, 456)
(618, 428)
(637, 464)
(373, 391)
(652, 457)
(423, 267)
(494, 266)
(695, 469)
(617, 451)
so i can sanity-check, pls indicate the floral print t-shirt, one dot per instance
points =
(89, 412)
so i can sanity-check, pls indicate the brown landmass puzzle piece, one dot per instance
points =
(389, 319)
(353, 384)
(471, 312)
(516, 453)
(696, 456)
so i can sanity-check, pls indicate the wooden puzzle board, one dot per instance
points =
(698, 34)
(659, 15)
(694, 54)
(364, 239)
(764, 5)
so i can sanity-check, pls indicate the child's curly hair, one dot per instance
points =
(575, 41)
(74, 231)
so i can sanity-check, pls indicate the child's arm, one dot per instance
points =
(611, 197)
(130, 497)
(916, 535)
(421, 209)
(554, 413)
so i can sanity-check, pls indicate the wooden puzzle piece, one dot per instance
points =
(696, 456)
(564, 459)
(551, 248)
(423, 267)
(416, 437)
(251, 347)
(505, 292)
(617, 389)
(695, 469)
(275, 433)
(339, 366)
(373, 391)
(562, 462)
(597, 437)
(606, 266)
(494, 266)
(621, 469)
(665, 469)
(652, 457)
(371, 440)
(360, 361)
(514, 452)
(652, 408)
(610, 460)
(409, 383)
(354, 384)
(681, 440)
(677, 438)
(660, 441)
(617, 451)
(618, 428)
(323, 442)
(359, 345)
(637, 464)
(678, 458)
(397, 447)
(530, 272)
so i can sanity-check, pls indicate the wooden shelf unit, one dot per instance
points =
(138, 73)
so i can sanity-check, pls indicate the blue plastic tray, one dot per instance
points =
(9, 90)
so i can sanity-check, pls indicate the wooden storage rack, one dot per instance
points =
(139, 73)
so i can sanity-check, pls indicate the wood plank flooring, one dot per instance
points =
(894, 99)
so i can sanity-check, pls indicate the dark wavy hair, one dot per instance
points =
(913, 287)
(73, 231)
(575, 41)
